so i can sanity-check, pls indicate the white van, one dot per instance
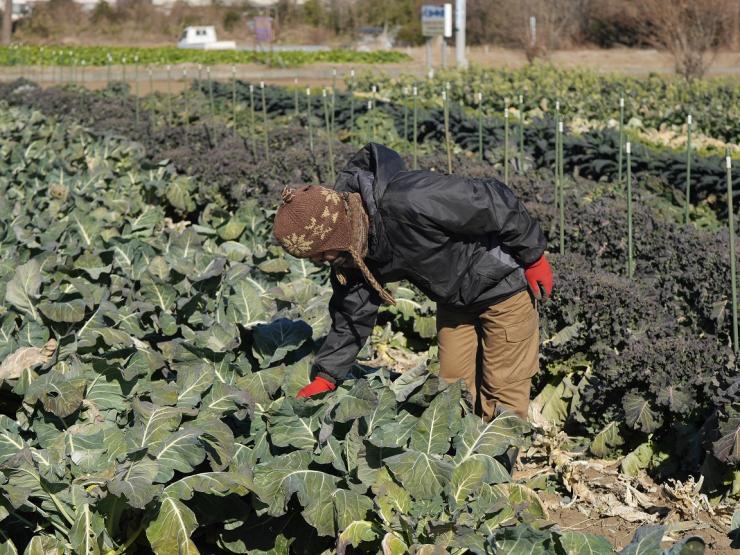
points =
(204, 38)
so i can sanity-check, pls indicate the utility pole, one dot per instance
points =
(462, 62)
(532, 32)
(447, 33)
(7, 21)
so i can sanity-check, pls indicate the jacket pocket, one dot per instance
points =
(485, 274)
(492, 268)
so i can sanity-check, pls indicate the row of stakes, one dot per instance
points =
(372, 103)
(328, 103)
(624, 147)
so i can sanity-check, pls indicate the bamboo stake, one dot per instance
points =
(295, 98)
(310, 125)
(329, 138)
(557, 150)
(371, 107)
(370, 118)
(447, 130)
(333, 100)
(688, 168)
(480, 125)
(630, 248)
(331, 103)
(621, 138)
(352, 104)
(416, 118)
(186, 112)
(733, 263)
(252, 123)
(405, 113)
(562, 152)
(506, 145)
(233, 97)
(264, 118)
(210, 95)
(151, 80)
(561, 189)
(169, 96)
(558, 184)
(136, 73)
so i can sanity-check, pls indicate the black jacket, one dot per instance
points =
(462, 241)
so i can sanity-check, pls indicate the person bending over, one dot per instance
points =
(468, 244)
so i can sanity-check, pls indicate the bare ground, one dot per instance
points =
(624, 61)
(604, 501)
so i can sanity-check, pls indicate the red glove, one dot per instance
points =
(539, 274)
(318, 385)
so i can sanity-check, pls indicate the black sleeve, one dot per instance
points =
(477, 207)
(353, 309)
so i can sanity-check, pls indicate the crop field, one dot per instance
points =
(92, 56)
(153, 335)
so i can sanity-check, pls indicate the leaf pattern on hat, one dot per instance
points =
(328, 214)
(317, 229)
(331, 196)
(297, 244)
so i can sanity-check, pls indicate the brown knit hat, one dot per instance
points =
(314, 219)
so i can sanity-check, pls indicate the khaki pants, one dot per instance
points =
(494, 351)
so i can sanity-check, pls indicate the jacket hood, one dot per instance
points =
(369, 172)
(378, 160)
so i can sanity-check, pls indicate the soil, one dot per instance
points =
(604, 480)
(620, 532)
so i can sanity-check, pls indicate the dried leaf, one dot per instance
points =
(26, 357)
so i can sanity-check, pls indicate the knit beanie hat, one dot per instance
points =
(314, 219)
